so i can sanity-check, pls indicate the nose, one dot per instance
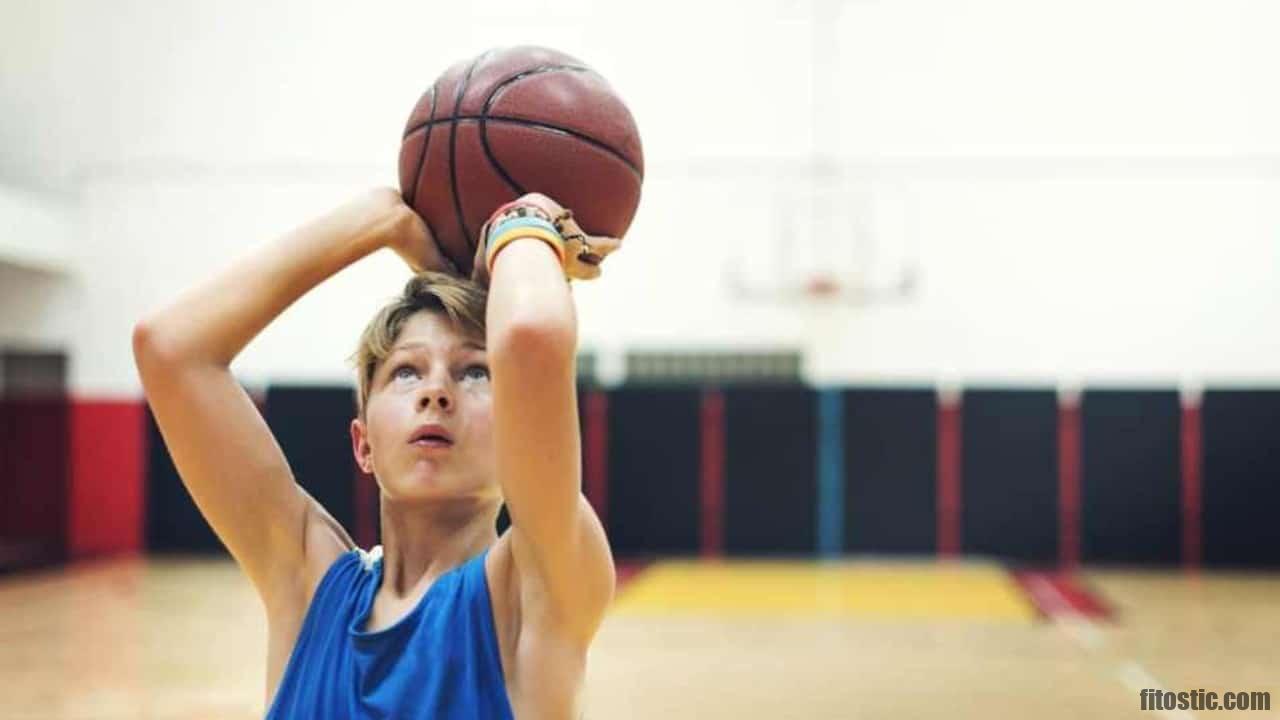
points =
(436, 393)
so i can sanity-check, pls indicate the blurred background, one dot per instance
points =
(938, 374)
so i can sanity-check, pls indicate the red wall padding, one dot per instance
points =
(108, 471)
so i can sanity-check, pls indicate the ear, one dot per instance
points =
(360, 446)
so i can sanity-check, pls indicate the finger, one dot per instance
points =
(544, 203)
(586, 272)
(604, 244)
(595, 249)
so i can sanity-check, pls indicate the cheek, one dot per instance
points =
(479, 412)
(382, 421)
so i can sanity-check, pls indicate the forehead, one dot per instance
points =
(433, 331)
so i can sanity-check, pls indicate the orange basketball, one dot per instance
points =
(513, 121)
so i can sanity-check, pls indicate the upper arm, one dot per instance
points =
(235, 471)
(568, 598)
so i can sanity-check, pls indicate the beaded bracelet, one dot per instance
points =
(514, 228)
(515, 208)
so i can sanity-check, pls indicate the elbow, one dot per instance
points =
(150, 348)
(146, 347)
(535, 341)
(143, 342)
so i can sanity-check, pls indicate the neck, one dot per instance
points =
(421, 541)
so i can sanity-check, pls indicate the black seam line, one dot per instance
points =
(435, 95)
(422, 157)
(488, 105)
(453, 146)
(538, 126)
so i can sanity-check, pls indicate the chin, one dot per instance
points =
(433, 486)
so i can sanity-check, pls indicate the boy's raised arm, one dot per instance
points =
(219, 442)
(560, 549)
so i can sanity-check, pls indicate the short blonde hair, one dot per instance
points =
(463, 301)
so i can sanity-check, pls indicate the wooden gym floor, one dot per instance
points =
(167, 638)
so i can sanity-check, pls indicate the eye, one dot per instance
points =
(476, 372)
(399, 372)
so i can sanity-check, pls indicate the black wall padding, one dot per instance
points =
(174, 524)
(312, 425)
(1009, 474)
(1241, 477)
(891, 449)
(1130, 476)
(770, 470)
(35, 452)
(654, 459)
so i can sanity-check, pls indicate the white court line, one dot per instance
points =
(1138, 679)
(1088, 635)
(1064, 617)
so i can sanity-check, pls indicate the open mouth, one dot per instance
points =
(434, 436)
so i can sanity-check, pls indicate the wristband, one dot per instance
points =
(522, 227)
(505, 224)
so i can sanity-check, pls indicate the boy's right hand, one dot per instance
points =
(410, 238)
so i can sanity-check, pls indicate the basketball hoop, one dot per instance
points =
(822, 287)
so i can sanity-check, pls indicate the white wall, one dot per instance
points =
(1093, 185)
(36, 230)
(36, 309)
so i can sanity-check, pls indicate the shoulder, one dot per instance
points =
(535, 602)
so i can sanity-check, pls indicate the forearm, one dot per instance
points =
(213, 321)
(532, 339)
(529, 300)
(558, 543)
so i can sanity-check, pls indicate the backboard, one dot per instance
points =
(826, 235)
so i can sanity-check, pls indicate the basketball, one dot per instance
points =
(513, 121)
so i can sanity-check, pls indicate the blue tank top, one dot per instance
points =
(441, 660)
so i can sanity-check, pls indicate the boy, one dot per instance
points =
(466, 401)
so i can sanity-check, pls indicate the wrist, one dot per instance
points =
(512, 227)
(382, 218)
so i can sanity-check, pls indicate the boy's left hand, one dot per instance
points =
(584, 253)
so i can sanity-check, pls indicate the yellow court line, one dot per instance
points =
(857, 588)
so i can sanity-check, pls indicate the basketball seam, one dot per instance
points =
(412, 199)
(538, 125)
(488, 105)
(453, 146)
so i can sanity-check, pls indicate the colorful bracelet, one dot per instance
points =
(511, 229)
(505, 224)
(515, 208)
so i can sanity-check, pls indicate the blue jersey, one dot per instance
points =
(440, 661)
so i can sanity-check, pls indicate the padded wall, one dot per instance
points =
(654, 445)
(312, 425)
(1130, 476)
(1241, 477)
(770, 470)
(1009, 477)
(891, 453)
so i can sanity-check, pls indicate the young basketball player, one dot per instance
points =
(466, 400)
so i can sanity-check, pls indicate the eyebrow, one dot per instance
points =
(466, 345)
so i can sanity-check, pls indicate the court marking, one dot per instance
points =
(1086, 633)
(854, 589)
